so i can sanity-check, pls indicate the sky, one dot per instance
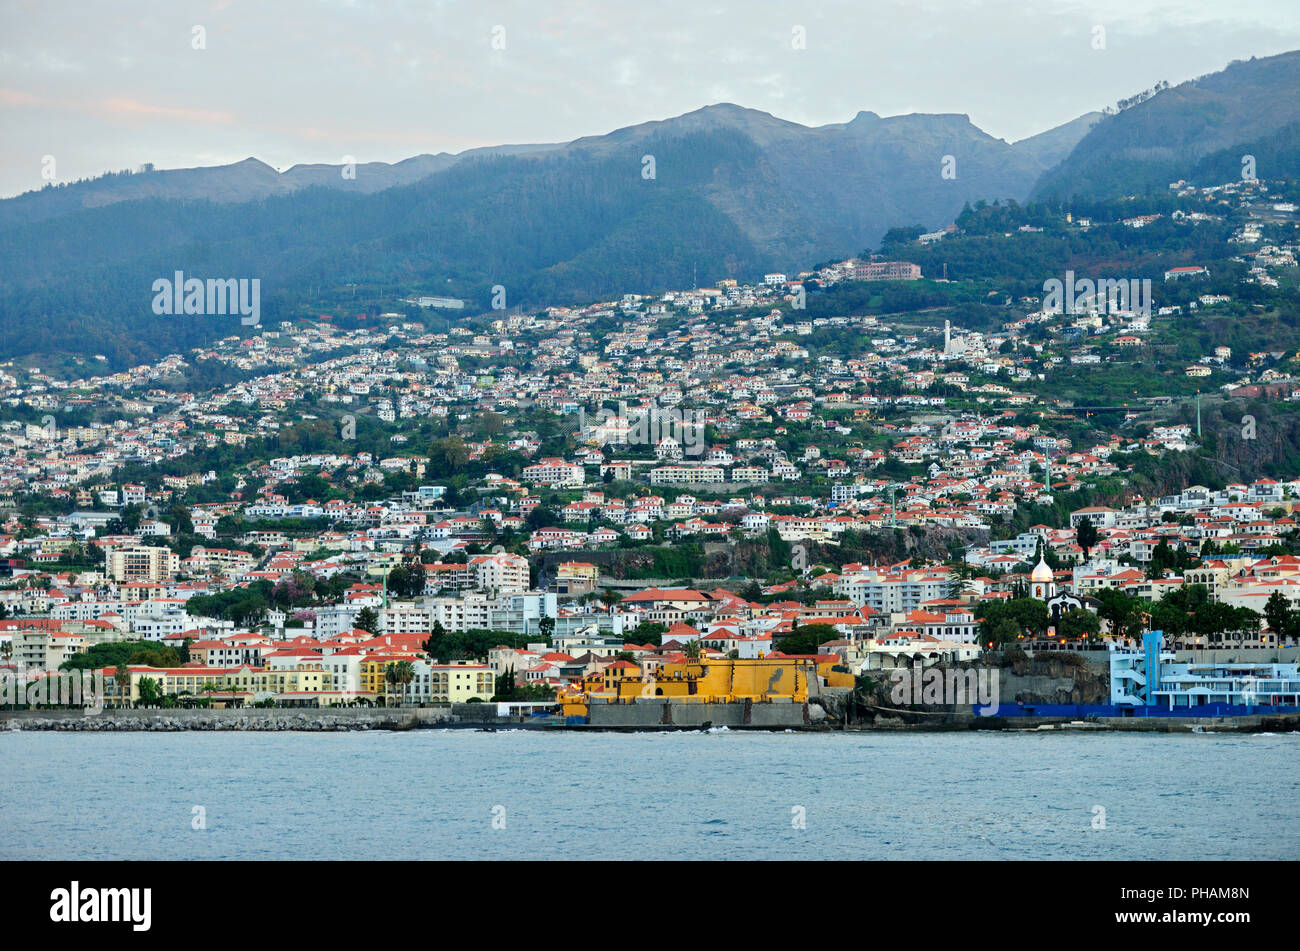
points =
(104, 85)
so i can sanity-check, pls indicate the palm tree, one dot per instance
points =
(122, 681)
(403, 672)
(399, 673)
(208, 687)
(150, 692)
(390, 681)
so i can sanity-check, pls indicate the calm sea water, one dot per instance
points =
(435, 795)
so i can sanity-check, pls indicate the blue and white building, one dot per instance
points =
(1151, 677)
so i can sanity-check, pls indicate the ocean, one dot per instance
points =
(460, 794)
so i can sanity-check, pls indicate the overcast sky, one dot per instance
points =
(110, 84)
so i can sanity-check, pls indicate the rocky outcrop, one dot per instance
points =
(1049, 678)
(1052, 678)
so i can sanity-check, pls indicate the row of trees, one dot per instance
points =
(1184, 612)
(118, 653)
(446, 646)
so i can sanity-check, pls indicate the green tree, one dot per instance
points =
(1003, 631)
(505, 685)
(150, 692)
(1121, 612)
(113, 653)
(447, 457)
(650, 632)
(367, 620)
(540, 517)
(406, 582)
(179, 519)
(1078, 624)
(1086, 535)
(1283, 620)
(1174, 612)
(807, 639)
(399, 674)
(1027, 614)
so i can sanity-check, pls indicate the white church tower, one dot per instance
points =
(1042, 583)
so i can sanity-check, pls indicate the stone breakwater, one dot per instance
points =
(251, 721)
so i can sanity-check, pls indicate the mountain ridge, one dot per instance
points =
(1143, 147)
(730, 192)
(252, 179)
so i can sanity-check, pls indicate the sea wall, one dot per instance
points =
(268, 719)
(665, 713)
(1245, 723)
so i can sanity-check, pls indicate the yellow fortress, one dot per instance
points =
(759, 680)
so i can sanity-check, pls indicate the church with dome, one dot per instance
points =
(1042, 587)
(1042, 583)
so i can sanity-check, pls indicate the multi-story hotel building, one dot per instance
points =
(142, 563)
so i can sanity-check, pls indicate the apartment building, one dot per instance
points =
(44, 649)
(555, 473)
(142, 563)
(220, 559)
(500, 573)
(686, 475)
(457, 682)
(889, 594)
(886, 271)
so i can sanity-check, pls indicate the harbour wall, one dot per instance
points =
(306, 719)
(650, 713)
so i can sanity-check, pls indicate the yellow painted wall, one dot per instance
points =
(719, 681)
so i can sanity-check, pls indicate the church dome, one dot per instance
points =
(1042, 572)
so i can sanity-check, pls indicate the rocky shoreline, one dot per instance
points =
(262, 721)
(312, 721)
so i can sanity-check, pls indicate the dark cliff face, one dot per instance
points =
(1062, 678)
(1056, 679)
